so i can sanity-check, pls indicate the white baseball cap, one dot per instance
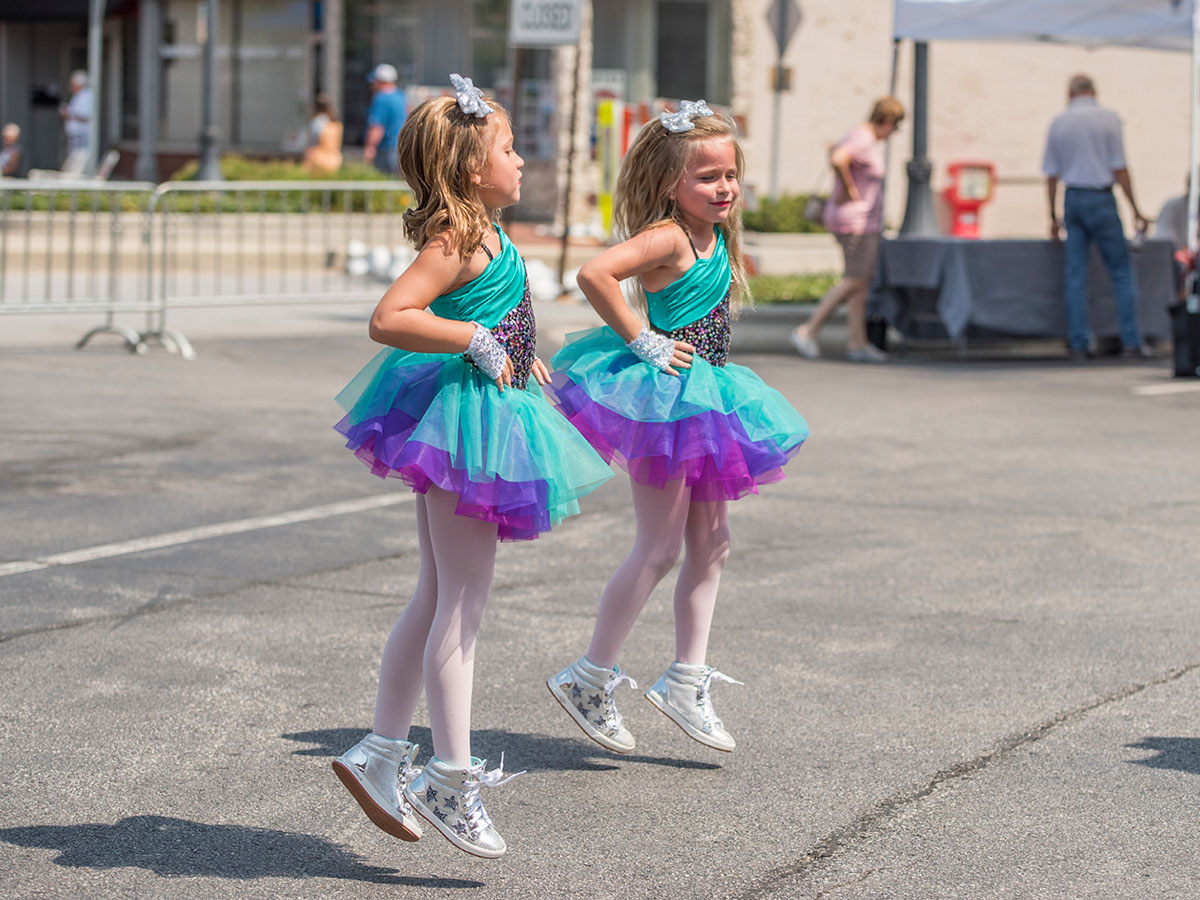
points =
(385, 73)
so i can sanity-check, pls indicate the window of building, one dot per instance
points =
(692, 49)
(425, 42)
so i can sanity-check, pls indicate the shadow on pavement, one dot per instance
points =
(1182, 753)
(521, 751)
(175, 847)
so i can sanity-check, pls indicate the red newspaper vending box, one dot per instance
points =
(971, 186)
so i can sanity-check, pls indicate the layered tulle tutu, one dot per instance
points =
(722, 429)
(434, 419)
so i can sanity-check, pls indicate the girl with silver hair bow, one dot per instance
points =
(658, 396)
(453, 407)
(691, 430)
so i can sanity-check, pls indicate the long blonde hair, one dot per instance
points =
(647, 180)
(441, 150)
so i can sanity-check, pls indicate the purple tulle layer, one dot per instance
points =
(711, 451)
(518, 509)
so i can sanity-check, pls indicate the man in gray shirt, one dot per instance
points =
(1085, 151)
(76, 116)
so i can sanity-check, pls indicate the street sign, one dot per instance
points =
(544, 23)
(784, 18)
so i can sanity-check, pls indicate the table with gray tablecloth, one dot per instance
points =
(939, 288)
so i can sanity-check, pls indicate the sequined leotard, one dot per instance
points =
(716, 425)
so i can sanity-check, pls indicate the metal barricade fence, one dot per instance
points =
(76, 247)
(283, 242)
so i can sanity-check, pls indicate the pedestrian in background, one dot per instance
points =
(76, 115)
(1171, 222)
(323, 156)
(1085, 150)
(692, 430)
(855, 216)
(1172, 225)
(452, 407)
(385, 117)
(10, 150)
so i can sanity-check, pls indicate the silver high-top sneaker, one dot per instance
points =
(448, 798)
(375, 771)
(682, 695)
(585, 691)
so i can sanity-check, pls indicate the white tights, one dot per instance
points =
(667, 519)
(433, 643)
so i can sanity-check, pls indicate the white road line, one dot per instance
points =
(204, 532)
(1174, 387)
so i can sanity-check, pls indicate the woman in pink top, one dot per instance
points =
(855, 216)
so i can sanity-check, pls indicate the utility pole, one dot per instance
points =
(210, 169)
(920, 220)
(784, 18)
(95, 53)
(149, 69)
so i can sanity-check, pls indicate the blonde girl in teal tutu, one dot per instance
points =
(454, 408)
(660, 399)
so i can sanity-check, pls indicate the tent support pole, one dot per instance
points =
(1193, 212)
(919, 217)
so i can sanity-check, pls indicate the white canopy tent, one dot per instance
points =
(1155, 24)
(1158, 24)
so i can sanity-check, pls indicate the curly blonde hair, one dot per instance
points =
(649, 174)
(441, 150)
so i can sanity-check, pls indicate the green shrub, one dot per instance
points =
(784, 213)
(236, 168)
(241, 168)
(792, 288)
(49, 196)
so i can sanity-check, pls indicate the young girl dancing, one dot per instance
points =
(451, 413)
(691, 430)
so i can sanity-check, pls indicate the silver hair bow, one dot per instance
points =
(470, 98)
(681, 121)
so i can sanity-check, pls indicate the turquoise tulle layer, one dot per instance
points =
(720, 428)
(433, 419)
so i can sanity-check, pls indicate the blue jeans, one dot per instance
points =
(388, 161)
(1091, 216)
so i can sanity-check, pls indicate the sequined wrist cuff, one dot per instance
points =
(653, 348)
(485, 351)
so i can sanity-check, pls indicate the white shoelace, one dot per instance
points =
(612, 715)
(705, 702)
(405, 776)
(476, 816)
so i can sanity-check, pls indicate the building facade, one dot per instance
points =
(989, 102)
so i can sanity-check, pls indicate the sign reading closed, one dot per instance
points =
(544, 23)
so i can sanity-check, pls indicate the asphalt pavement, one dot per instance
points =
(966, 623)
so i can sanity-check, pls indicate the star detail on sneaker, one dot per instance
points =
(430, 795)
(460, 827)
(594, 699)
(440, 813)
(452, 802)
(576, 691)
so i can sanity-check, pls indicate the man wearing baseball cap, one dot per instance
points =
(384, 118)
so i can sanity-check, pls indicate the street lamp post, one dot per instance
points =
(209, 169)
(919, 217)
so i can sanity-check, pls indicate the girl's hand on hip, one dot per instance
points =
(681, 358)
(539, 371)
(504, 379)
